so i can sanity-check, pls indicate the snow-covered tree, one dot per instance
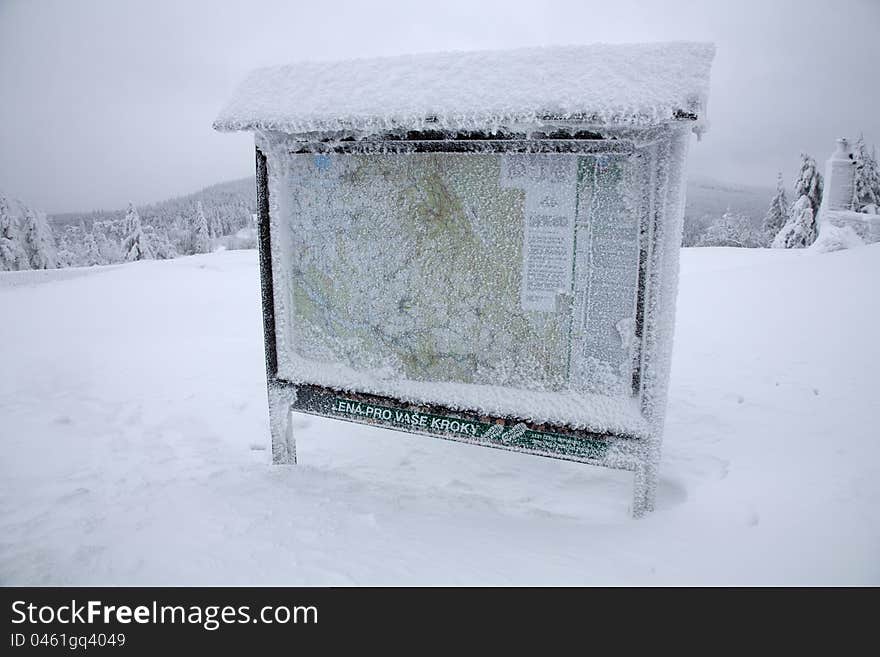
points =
(733, 229)
(39, 242)
(201, 238)
(69, 246)
(12, 253)
(694, 228)
(217, 229)
(26, 239)
(91, 253)
(800, 230)
(160, 243)
(809, 183)
(66, 256)
(114, 230)
(866, 184)
(777, 213)
(135, 246)
(110, 250)
(110, 236)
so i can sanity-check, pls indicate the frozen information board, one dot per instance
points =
(503, 277)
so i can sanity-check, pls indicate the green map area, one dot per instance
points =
(411, 265)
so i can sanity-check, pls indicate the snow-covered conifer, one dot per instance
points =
(110, 250)
(866, 183)
(809, 183)
(12, 254)
(800, 230)
(91, 253)
(733, 229)
(160, 243)
(216, 226)
(777, 213)
(201, 239)
(65, 257)
(39, 242)
(135, 246)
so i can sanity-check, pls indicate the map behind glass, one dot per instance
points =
(512, 270)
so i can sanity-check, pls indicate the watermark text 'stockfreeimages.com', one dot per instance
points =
(210, 617)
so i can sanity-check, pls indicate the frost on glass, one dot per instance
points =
(511, 270)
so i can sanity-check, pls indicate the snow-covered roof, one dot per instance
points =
(618, 84)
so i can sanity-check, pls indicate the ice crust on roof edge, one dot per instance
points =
(617, 84)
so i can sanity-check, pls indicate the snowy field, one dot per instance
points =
(133, 429)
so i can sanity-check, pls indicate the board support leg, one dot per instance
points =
(652, 471)
(281, 400)
(646, 478)
(640, 488)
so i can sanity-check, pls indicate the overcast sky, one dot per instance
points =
(106, 101)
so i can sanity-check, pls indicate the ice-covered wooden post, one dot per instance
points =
(481, 247)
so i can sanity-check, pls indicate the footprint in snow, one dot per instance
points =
(72, 495)
(300, 421)
(670, 492)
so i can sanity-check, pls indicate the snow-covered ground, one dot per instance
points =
(133, 435)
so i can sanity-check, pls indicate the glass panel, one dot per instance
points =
(515, 270)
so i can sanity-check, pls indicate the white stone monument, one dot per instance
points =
(838, 222)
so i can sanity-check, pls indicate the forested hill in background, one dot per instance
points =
(711, 203)
(237, 197)
(707, 201)
(220, 216)
(707, 197)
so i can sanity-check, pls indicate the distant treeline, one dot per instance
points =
(218, 216)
